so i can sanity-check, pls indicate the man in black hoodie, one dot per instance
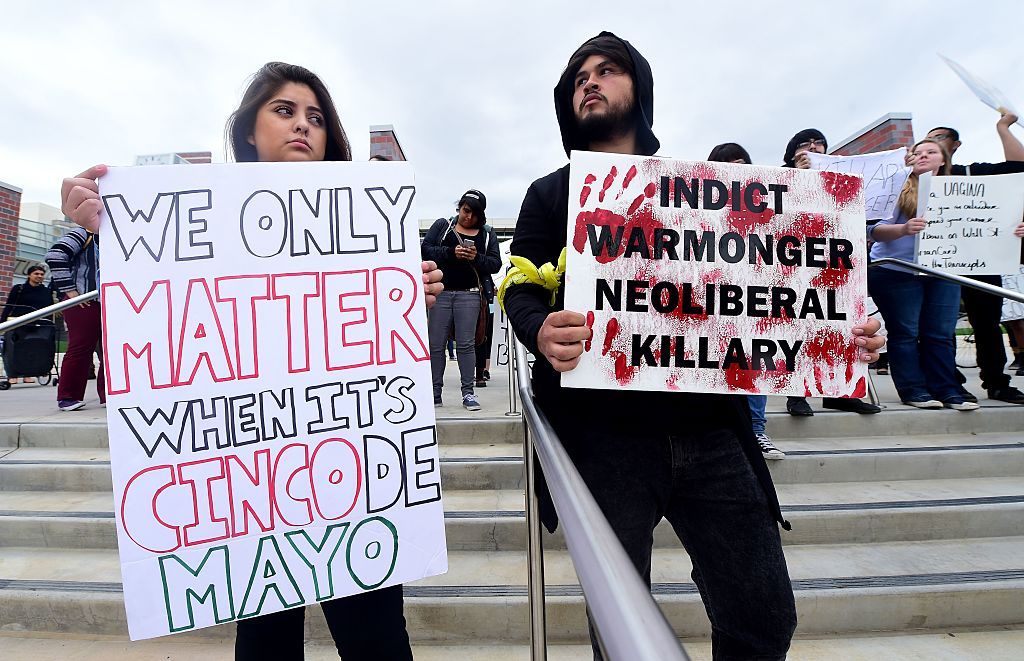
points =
(687, 457)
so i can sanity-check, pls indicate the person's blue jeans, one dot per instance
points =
(920, 317)
(758, 420)
(460, 308)
(703, 484)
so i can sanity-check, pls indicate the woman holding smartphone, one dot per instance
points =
(287, 114)
(465, 248)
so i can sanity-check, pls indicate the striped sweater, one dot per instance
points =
(72, 262)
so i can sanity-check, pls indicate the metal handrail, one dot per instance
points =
(628, 622)
(959, 279)
(36, 315)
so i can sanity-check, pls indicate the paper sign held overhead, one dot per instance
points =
(714, 277)
(271, 429)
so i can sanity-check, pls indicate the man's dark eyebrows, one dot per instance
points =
(600, 65)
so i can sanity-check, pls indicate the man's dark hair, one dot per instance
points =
(626, 56)
(729, 152)
(801, 136)
(264, 84)
(953, 133)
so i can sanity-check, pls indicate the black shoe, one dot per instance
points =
(1020, 372)
(1017, 364)
(967, 395)
(1007, 394)
(487, 375)
(850, 404)
(798, 406)
(480, 383)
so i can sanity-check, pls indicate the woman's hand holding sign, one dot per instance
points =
(80, 198)
(913, 226)
(560, 339)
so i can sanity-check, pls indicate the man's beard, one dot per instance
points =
(602, 127)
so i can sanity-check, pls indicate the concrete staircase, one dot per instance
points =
(907, 522)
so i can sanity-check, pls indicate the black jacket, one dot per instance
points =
(981, 169)
(540, 237)
(438, 245)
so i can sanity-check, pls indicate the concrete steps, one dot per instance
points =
(992, 644)
(903, 521)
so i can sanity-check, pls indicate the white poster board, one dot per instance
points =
(715, 277)
(986, 92)
(970, 224)
(884, 174)
(272, 436)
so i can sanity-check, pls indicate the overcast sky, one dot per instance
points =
(468, 85)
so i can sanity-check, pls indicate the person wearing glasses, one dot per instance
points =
(985, 310)
(801, 144)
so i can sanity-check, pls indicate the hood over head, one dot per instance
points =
(639, 70)
(801, 136)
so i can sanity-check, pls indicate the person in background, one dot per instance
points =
(24, 298)
(801, 144)
(72, 263)
(730, 152)
(984, 310)
(287, 114)
(465, 248)
(920, 311)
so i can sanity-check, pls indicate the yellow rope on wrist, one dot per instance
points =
(547, 276)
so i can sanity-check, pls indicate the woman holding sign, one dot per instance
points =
(920, 311)
(287, 114)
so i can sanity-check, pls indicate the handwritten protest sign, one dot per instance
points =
(970, 224)
(884, 174)
(714, 277)
(271, 430)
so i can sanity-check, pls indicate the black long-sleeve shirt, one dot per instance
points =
(25, 298)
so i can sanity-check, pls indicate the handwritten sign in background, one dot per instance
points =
(970, 224)
(884, 174)
(271, 429)
(767, 347)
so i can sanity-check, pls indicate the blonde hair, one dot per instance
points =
(907, 202)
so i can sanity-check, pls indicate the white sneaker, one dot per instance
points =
(767, 448)
(924, 403)
(961, 405)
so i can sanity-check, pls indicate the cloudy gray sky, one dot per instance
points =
(468, 85)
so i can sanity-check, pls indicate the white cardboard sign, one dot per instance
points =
(970, 224)
(272, 436)
(715, 277)
(884, 174)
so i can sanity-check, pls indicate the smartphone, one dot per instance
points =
(468, 243)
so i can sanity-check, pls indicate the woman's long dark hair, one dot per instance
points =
(264, 84)
(727, 152)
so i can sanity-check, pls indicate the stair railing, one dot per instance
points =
(628, 622)
(36, 315)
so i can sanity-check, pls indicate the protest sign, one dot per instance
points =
(715, 277)
(986, 93)
(970, 224)
(272, 437)
(884, 174)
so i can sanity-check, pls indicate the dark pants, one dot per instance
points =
(704, 486)
(984, 311)
(366, 627)
(84, 333)
(920, 318)
(483, 352)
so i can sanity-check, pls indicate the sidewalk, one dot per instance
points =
(35, 403)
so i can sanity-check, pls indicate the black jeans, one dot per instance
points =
(984, 311)
(368, 626)
(705, 487)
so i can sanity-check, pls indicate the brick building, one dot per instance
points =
(384, 142)
(887, 132)
(10, 208)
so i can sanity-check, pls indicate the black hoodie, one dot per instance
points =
(540, 237)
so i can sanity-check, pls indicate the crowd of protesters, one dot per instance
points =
(708, 478)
